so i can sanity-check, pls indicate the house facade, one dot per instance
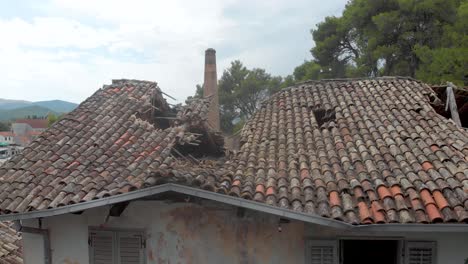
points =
(7, 138)
(331, 171)
(213, 232)
(27, 126)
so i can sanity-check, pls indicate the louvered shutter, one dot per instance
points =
(321, 252)
(102, 246)
(130, 247)
(420, 252)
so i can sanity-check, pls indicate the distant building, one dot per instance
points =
(8, 151)
(23, 131)
(7, 137)
(25, 126)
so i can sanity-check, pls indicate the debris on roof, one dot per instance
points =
(360, 151)
(461, 98)
(11, 251)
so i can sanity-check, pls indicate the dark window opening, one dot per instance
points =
(370, 251)
(324, 116)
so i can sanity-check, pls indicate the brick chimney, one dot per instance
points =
(210, 88)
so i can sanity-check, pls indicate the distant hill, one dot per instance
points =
(13, 109)
(57, 105)
(12, 104)
(23, 112)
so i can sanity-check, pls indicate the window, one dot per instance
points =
(420, 252)
(119, 247)
(383, 250)
(387, 251)
(322, 252)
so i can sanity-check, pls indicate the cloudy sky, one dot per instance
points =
(66, 49)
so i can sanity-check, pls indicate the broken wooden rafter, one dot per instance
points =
(180, 154)
(168, 96)
(452, 103)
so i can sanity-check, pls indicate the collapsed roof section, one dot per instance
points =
(11, 249)
(110, 144)
(358, 151)
(461, 100)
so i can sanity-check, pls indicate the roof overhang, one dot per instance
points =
(235, 201)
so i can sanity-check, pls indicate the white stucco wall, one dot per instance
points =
(33, 245)
(181, 233)
(212, 233)
(7, 139)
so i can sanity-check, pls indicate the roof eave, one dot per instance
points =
(413, 228)
(235, 201)
(171, 187)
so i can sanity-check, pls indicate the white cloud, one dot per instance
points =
(52, 32)
(76, 46)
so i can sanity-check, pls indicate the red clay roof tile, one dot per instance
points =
(334, 199)
(328, 147)
(433, 213)
(383, 192)
(440, 200)
(426, 197)
(364, 213)
(11, 250)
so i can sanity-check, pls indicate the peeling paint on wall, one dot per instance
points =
(203, 235)
(186, 233)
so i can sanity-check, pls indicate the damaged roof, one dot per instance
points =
(358, 151)
(11, 251)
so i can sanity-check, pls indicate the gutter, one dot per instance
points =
(38, 231)
(239, 202)
(434, 228)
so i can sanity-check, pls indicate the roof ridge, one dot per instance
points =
(295, 85)
(359, 79)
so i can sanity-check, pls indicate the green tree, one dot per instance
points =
(4, 126)
(241, 90)
(385, 37)
(52, 118)
(449, 62)
(310, 70)
(198, 93)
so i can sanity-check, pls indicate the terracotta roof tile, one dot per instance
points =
(361, 151)
(11, 251)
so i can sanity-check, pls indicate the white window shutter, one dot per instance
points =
(101, 247)
(322, 252)
(420, 252)
(130, 248)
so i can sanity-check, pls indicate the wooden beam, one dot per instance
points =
(452, 103)
(117, 209)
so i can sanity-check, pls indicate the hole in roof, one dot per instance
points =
(206, 145)
(324, 116)
(438, 101)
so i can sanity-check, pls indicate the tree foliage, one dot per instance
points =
(417, 38)
(52, 118)
(4, 126)
(240, 92)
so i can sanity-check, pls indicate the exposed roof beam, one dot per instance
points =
(452, 104)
